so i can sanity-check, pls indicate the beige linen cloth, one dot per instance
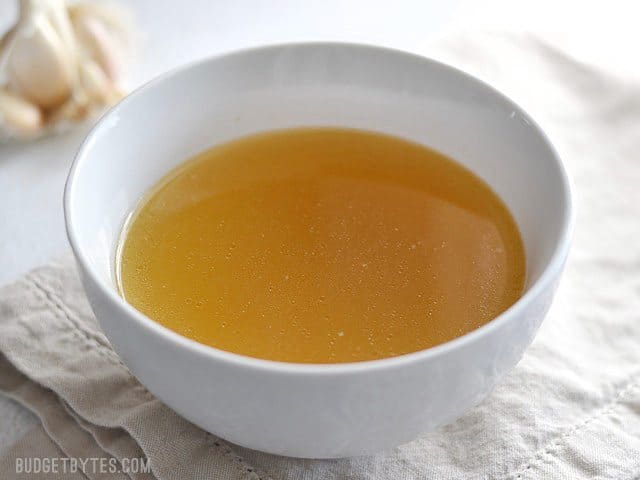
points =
(570, 409)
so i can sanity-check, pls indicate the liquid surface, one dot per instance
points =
(321, 246)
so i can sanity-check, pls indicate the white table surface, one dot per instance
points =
(176, 32)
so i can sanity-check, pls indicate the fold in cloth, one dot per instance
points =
(570, 409)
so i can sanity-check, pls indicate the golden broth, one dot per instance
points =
(321, 245)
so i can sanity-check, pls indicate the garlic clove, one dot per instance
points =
(75, 109)
(99, 43)
(38, 65)
(59, 18)
(96, 84)
(18, 115)
(117, 19)
(56, 13)
(5, 42)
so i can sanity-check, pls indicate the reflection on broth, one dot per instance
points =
(321, 245)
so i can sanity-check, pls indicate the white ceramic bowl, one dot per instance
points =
(317, 410)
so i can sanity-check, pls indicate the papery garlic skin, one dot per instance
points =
(59, 64)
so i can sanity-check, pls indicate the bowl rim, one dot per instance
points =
(551, 270)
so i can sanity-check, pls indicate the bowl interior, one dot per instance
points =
(222, 98)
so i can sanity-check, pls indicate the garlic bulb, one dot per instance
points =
(59, 64)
